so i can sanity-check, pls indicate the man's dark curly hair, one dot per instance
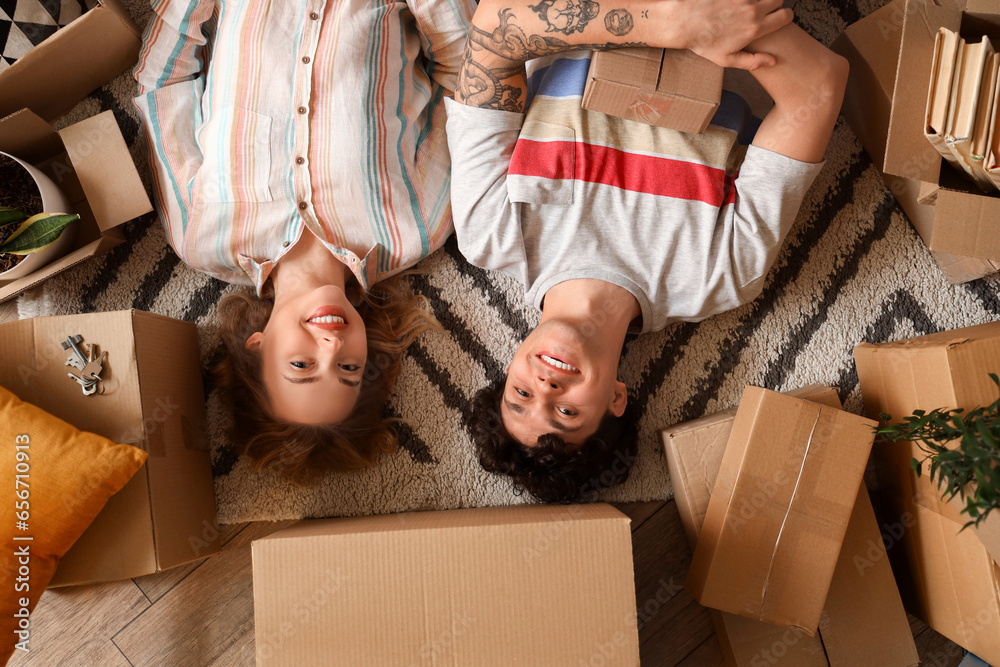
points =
(548, 471)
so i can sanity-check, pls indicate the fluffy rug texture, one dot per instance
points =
(852, 270)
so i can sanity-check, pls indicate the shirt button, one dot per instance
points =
(313, 16)
(300, 160)
(305, 59)
(284, 244)
(302, 110)
(303, 206)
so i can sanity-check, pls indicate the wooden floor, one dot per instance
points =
(201, 614)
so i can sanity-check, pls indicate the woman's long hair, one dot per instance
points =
(394, 316)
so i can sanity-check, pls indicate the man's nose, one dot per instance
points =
(547, 384)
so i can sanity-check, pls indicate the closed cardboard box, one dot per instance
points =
(152, 398)
(779, 510)
(863, 621)
(873, 48)
(530, 585)
(668, 88)
(91, 164)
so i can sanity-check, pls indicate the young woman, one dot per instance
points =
(298, 147)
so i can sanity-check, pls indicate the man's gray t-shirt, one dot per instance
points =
(584, 195)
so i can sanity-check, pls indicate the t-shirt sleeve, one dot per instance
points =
(769, 190)
(487, 224)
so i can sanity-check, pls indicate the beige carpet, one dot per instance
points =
(852, 270)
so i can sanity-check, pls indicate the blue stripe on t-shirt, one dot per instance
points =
(563, 78)
(734, 114)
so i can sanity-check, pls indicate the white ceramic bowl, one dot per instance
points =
(53, 201)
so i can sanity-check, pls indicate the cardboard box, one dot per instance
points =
(80, 57)
(668, 88)
(863, 621)
(534, 585)
(90, 162)
(779, 510)
(153, 398)
(945, 370)
(872, 46)
(946, 576)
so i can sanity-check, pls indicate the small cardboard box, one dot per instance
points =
(90, 162)
(872, 46)
(945, 370)
(533, 585)
(780, 507)
(153, 399)
(946, 576)
(668, 88)
(80, 57)
(863, 621)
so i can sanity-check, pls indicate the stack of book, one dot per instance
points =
(961, 118)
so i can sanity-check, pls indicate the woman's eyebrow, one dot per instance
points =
(305, 380)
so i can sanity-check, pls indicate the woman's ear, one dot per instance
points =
(620, 399)
(254, 341)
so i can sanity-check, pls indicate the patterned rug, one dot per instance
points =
(852, 270)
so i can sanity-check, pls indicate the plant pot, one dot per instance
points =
(53, 201)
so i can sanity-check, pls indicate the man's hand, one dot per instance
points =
(720, 30)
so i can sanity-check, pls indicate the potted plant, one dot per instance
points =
(963, 449)
(36, 219)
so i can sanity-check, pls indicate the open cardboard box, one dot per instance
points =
(672, 88)
(153, 399)
(880, 61)
(532, 585)
(863, 621)
(780, 507)
(80, 57)
(90, 162)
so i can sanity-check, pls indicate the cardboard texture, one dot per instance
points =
(153, 398)
(80, 57)
(534, 585)
(668, 88)
(943, 370)
(779, 510)
(863, 621)
(873, 48)
(91, 163)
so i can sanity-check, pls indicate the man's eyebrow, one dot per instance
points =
(563, 429)
(513, 407)
(305, 380)
(350, 383)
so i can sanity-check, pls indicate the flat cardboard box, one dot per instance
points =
(779, 510)
(90, 162)
(153, 398)
(533, 585)
(966, 222)
(945, 370)
(80, 57)
(946, 576)
(863, 621)
(672, 88)
(872, 46)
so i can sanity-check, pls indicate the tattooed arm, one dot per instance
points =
(507, 33)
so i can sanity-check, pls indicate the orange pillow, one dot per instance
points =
(55, 480)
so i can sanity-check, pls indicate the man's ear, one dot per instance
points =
(254, 341)
(620, 399)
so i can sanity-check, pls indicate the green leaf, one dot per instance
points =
(10, 216)
(37, 233)
(915, 466)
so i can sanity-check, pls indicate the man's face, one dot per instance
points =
(557, 384)
(313, 351)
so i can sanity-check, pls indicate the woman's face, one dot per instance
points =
(313, 350)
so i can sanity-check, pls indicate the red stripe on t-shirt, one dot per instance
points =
(629, 171)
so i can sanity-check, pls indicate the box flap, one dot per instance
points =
(687, 74)
(455, 587)
(967, 224)
(908, 153)
(105, 170)
(24, 135)
(55, 75)
(630, 67)
(8, 290)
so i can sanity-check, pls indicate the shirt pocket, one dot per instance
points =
(236, 157)
(543, 165)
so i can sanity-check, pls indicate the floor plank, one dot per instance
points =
(74, 625)
(707, 655)
(639, 512)
(206, 616)
(935, 649)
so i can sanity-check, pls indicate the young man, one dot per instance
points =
(613, 225)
